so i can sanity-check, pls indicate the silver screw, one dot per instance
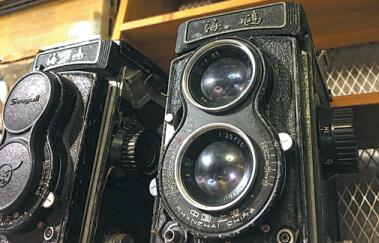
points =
(169, 235)
(285, 235)
(265, 228)
(174, 234)
(49, 233)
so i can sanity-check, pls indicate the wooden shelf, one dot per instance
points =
(355, 100)
(333, 24)
(24, 32)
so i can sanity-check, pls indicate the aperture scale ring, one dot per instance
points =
(233, 220)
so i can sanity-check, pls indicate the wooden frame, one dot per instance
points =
(355, 100)
(333, 23)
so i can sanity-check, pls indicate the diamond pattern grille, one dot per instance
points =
(369, 161)
(353, 69)
(358, 200)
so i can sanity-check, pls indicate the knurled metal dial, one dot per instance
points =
(136, 150)
(338, 149)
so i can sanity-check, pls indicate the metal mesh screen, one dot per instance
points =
(354, 70)
(358, 200)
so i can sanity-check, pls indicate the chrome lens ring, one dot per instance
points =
(247, 52)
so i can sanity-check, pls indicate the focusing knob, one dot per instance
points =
(338, 150)
(136, 150)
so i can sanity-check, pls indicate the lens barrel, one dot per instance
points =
(215, 167)
(221, 74)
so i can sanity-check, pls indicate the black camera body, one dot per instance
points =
(63, 121)
(243, 133)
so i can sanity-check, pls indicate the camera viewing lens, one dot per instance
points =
(215, 167)
(219, 168)
(220, 74)
(224, 80)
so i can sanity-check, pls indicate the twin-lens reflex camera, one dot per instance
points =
(250, 145)
(240, 146)
(81, 144)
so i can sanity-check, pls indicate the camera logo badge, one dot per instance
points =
(17, 101)
(252, 19)
(212, 26)
(66, 56)
(6, 171)
(77, 56)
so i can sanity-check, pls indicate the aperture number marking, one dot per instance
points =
(232, 137)
(268, 149)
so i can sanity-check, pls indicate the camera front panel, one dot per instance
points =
(54, 140)
(211, 151)
(82, 137)
(60, 111)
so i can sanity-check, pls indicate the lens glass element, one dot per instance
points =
(221, 76)
(224, 80)
(216, 167)
(219, 168)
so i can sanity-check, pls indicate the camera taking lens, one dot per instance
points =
(219, 168)
(216, 166)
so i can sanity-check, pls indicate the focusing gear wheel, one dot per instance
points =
(136, 150)
(338, 149)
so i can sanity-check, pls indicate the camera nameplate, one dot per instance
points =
(87, 53)
(248, 19)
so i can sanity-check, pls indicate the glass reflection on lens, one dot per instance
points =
(224, 80)
(219, 168)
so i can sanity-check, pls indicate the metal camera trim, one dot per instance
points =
(183, 149)
(203, 50)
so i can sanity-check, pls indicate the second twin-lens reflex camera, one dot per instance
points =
(250, 145)
(80, 145)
